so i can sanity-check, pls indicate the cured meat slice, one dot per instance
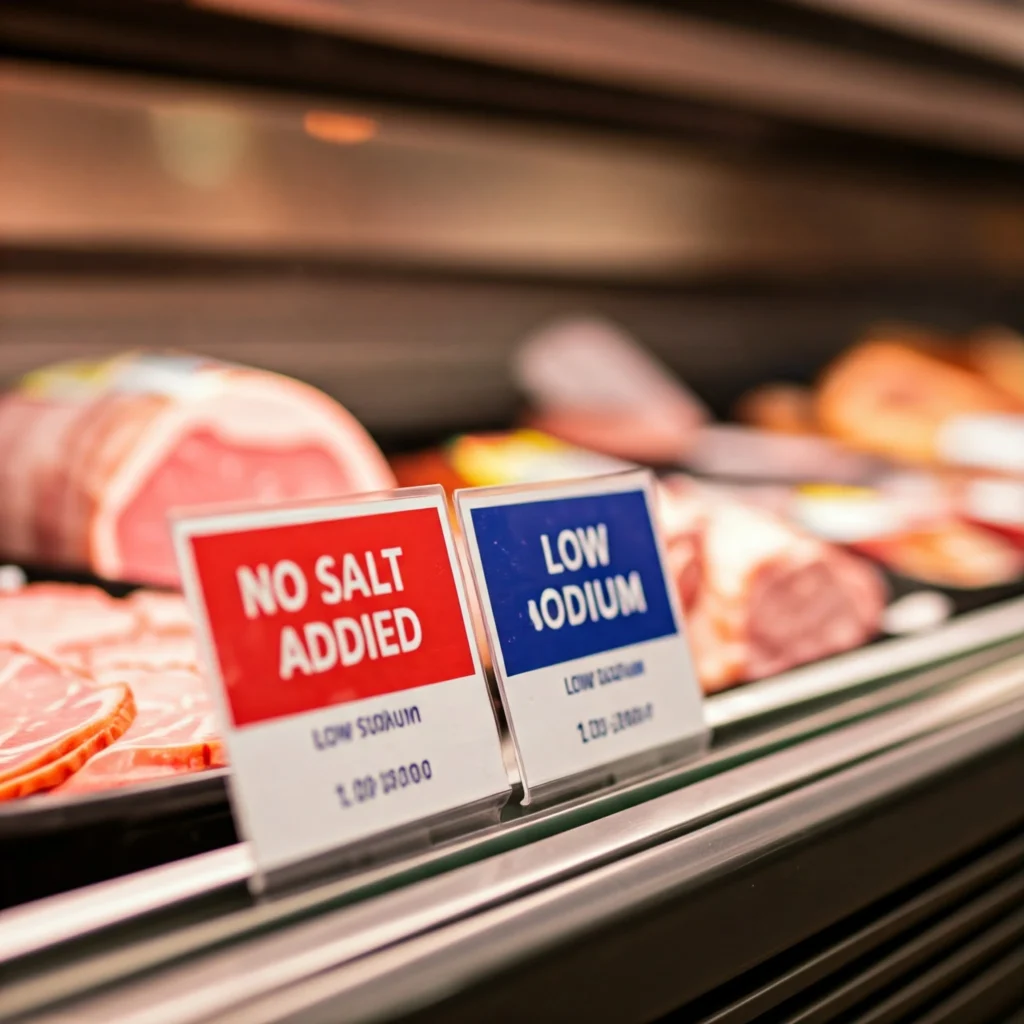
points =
(174, 731)
(154, 651)
(54, 773)
(98, 454)
(769, 596)
(147, 650)
(53, 714)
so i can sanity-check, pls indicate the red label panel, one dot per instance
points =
(317, 614)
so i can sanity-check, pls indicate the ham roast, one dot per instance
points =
(89, 470)
(760, 595)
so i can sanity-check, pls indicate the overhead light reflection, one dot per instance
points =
(343, 129)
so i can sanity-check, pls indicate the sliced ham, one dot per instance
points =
(173, 732)
(769, 596)
(119, 700)
(55, 773)
(50, 617)
(91, 471)
(54, 719)
(145, 650)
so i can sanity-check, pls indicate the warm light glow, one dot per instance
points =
(345, 129)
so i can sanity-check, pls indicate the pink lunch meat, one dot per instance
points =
(769, 597)
(51, 617)
(174, 732)
(54, 719)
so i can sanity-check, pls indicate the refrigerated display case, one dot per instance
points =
(384, 200)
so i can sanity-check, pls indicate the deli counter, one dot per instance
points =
(773, 253)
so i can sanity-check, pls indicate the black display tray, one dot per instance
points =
(52, 843)
(964, 600)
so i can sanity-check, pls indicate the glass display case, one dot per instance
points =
(388, 201)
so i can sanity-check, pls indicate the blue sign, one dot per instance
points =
(571, 577)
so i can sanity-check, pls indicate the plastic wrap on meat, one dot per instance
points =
(161, 611)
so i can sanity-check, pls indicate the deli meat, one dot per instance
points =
(54, 720)
(119, 698)
(174, 731)
(146, 650)
(52, 617)
(900, 400)
(768, 597)
(759, 595)
(589, 382)
(94, 456)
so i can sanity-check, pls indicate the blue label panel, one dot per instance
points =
(571, 577)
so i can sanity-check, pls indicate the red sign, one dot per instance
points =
(305, 616)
